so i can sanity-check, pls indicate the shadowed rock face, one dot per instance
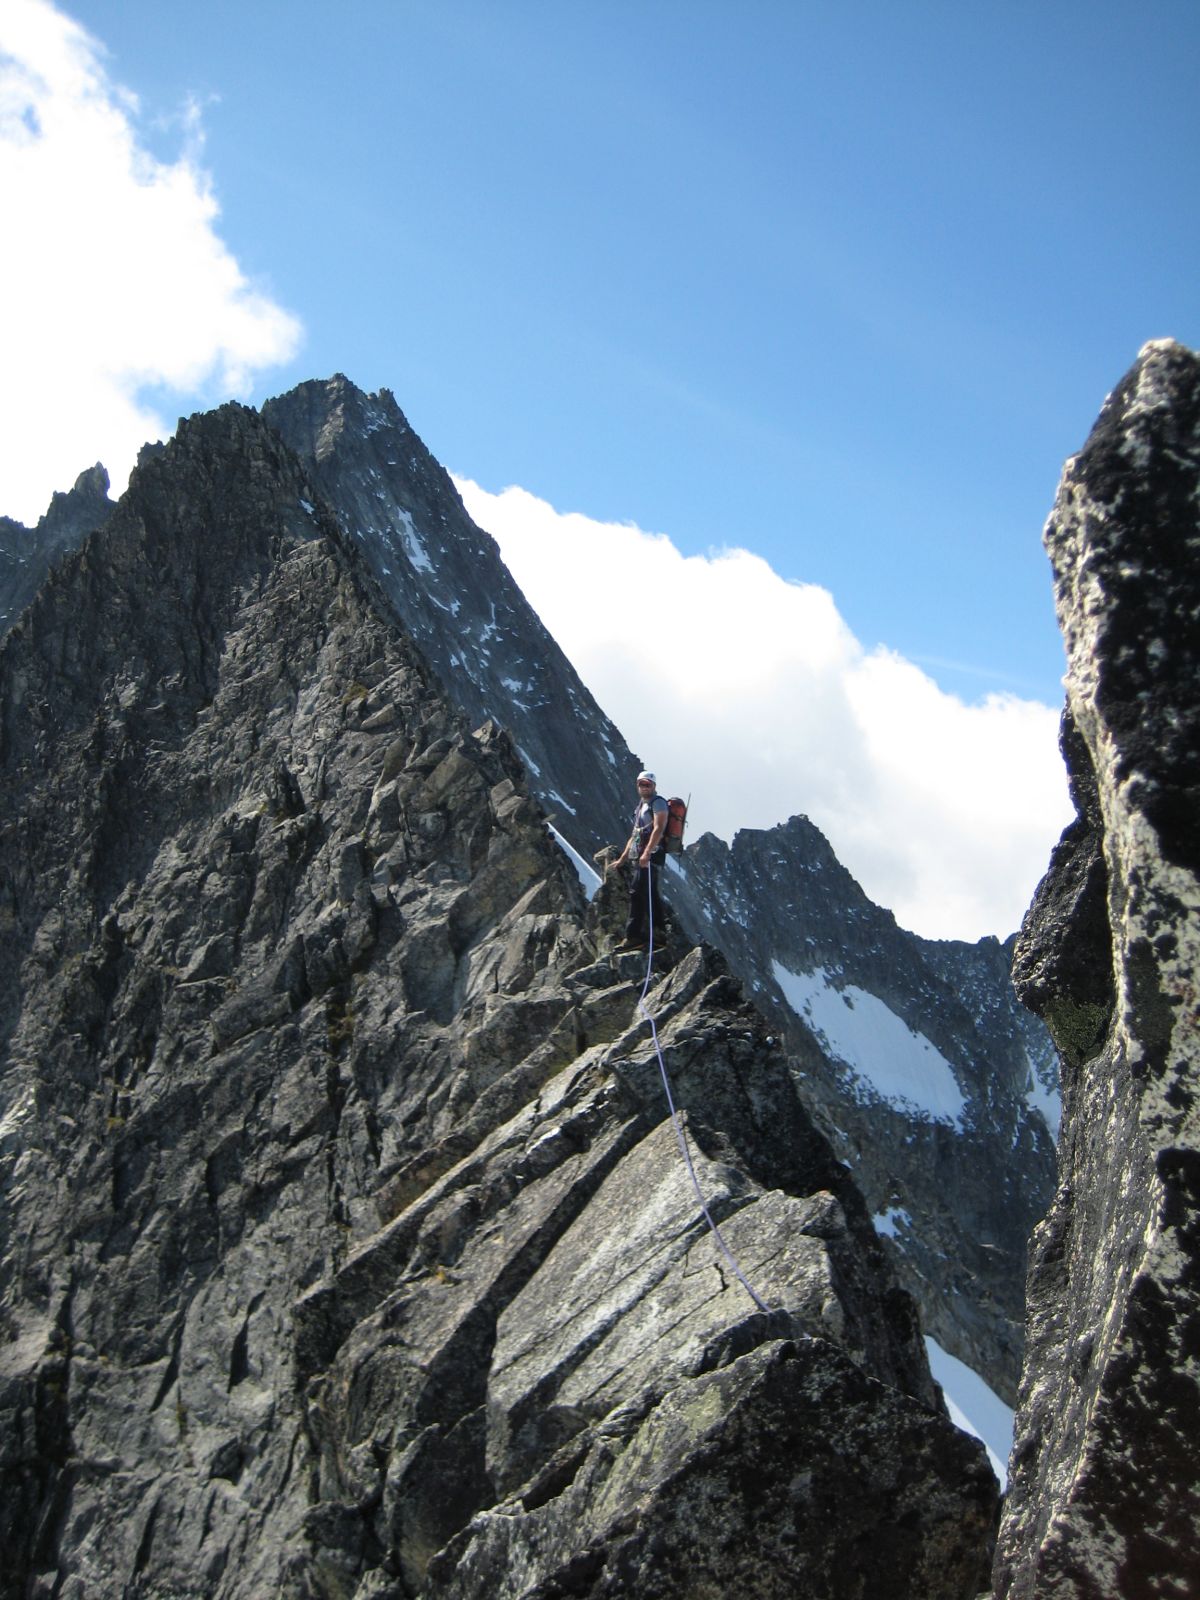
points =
(27, 554)
(967, 1188)
(962, 1195)
(347, 1249)
(458, 601)
(1105, 1492)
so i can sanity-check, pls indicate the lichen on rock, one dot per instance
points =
(1105, 1493)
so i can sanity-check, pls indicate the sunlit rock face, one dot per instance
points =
(1105, 1491)
(954, 1191)
(345, 1244)
(932, 1082)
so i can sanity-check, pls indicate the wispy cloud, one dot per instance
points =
(752, 693)
(114, 282)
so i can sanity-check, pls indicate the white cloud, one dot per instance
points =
(752, 693)
(113, 280)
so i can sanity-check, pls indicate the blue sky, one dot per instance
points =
(841, 284)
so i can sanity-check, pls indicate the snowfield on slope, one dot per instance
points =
(857, 1028)
(973, 1406)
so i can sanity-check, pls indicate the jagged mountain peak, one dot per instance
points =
(352, 1251)
(90, 487)
(26, 555)
(901, 1040)
(320, 410)
(454, 594)
(92, 484)
(775, 898)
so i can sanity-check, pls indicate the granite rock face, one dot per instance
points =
(27, 554)
(931, 1081)
(954, 1199)
(347, 1245)
(457, 599)
(965, 1192)
(1105, 1491)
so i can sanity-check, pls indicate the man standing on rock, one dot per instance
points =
(649, 858)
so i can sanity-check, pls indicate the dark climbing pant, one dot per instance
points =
(644, 897)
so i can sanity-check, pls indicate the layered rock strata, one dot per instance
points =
(929, 1078)
(348, 1248)
(956, 1197)
(1105, 1489)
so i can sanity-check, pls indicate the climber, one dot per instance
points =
(649, 857)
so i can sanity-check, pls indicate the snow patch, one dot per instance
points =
(588, 876)
(1046, 1102)
(899, 1064)
(974, 1407)
(886, 1221)
(413, 548)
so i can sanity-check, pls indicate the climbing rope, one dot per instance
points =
(676, 1121)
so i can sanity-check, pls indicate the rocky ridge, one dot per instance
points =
(457, 599)
(27, 554)
(1105, 1489)
(931, 1081)
(349, 1251)
(965, 1203)
(956, 1235)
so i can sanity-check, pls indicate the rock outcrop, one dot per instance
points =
(1105, 1489)
(929, 1078)
(458, 600)
(966, 1191)
(956, 1211)
(27, 554)
(348, 1249)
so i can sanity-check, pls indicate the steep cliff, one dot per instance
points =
(964, 1189)
(27, 554)
(457, 599)
(348, 1249)
(923, 1069)
(1105, 1494)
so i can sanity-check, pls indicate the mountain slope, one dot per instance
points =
(27, 554)
(916, 1058)
(972, 1187)
(955, 1201)
(347, 1248)
(456, 597)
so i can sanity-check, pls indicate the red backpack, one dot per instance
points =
(676, 822)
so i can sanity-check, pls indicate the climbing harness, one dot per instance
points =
(675, 1118)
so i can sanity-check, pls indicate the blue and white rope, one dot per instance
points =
(675, 1118)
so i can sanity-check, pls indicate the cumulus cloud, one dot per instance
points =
(113, 280)
(752, 693)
